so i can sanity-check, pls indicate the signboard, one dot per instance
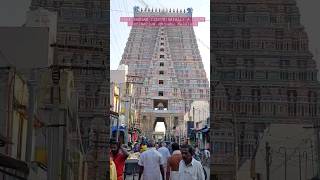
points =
(190, 125)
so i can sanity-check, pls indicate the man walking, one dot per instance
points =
(197, 153)
(151, 164)
(165, 153)
(119, 156)
(189, 168)
(173, 163)
(206, 156)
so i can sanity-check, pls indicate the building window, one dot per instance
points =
(249, 62)
(228, 147)
(161, 49)
(246, 33)
(302, 63)
(161, 72)
(284, 63)
(162, 44)
(162, 38)
(161, 63)
(175, 91)
(279, 33)
(161, 56)
(160, 81)
(160, 93)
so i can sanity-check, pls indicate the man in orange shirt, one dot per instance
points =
(119, 156)
(173, 163)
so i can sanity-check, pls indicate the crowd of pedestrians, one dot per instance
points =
(157, 162)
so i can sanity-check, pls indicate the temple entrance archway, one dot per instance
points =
(160, 120)
(150, 121)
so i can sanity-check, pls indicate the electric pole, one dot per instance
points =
(117, 135)
(31, 87)
(299, 165)
(55, 122)
(236, 145)
(53, 129)
(268, 160)
(285, 161)
(318, 149)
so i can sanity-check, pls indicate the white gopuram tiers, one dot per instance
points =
(168, 59)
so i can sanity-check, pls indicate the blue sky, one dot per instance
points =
(119, 32)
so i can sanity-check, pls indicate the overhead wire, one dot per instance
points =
(160, 4)
(124, 30)
(114, 34)
(205, 45)
(5, 59)
(117, 10)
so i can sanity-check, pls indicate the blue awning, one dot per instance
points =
(121, 128)
(205, 130)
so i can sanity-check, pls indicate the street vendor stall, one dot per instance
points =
(131, 165)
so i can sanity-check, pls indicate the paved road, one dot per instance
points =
(137, 176)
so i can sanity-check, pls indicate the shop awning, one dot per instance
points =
(202, 130)
(9, 162)
(4, 141)
(205, 130)
(121, 128)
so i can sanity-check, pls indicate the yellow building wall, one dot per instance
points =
(19, 121)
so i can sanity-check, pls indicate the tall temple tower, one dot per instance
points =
(268, 75)
(168, 60)
(82, 45)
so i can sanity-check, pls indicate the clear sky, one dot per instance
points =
(124, 8)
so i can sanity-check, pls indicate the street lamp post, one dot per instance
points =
(285, 161)
(299, 165)
(117, 134)
(305, 154)
(235, 144)
(197, 123)
(312, 161)
(31, 86)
